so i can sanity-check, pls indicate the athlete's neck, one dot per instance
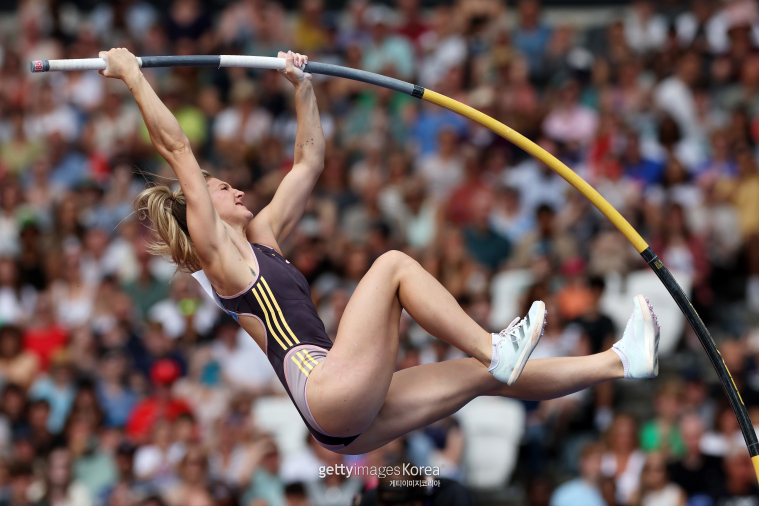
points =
(236, 231)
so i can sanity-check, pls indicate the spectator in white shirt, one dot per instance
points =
(443, 170)
(645, 30)
(244, 123)
(674, 96)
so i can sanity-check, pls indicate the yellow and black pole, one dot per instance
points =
(747, 428)
(507, 133)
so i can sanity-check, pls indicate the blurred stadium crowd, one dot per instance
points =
(123, 384)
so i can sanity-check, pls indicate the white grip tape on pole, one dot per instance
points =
(80, 64)
(254, 62)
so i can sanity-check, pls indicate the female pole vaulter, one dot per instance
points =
(347, 392)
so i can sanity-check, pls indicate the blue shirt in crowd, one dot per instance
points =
(577, 492)
(645, 171)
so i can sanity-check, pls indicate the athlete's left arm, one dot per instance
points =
(284, 211)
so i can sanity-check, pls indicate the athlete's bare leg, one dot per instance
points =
(346, 391)
(422, 395)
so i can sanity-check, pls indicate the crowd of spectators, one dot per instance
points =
(122, 384)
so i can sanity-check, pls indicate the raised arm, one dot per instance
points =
(281, 216)
(203, 222)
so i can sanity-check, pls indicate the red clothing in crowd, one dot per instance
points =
(145, 415)
(44, 341)
(459, 207)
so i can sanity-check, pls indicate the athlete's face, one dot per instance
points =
(228, 203)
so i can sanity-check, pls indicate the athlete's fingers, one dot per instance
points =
(282, 54)
(104, 56)
(289, 64)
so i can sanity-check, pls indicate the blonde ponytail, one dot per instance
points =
(167, 212)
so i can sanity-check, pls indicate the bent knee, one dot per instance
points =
(394, 261)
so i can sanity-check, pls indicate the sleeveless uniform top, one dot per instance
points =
(279, 297)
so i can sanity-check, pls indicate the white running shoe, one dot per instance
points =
(513, 345)
(639, 347)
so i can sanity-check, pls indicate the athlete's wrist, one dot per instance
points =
(131, 77)
(303, 86)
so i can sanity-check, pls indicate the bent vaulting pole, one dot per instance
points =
(499, 128)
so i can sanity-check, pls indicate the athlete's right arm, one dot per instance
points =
(205, 226)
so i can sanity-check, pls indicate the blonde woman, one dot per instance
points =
(347, 393)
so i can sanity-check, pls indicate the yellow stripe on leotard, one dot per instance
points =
(310, 357)
(299, 366)
(273, 317)
(304, 361)
(266, 315)
(266, 285)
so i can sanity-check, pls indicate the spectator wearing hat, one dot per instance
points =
(161, 405)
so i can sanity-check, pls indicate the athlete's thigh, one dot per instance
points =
(421, 395)
(347, 389)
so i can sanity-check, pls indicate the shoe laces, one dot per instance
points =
(511, 330)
